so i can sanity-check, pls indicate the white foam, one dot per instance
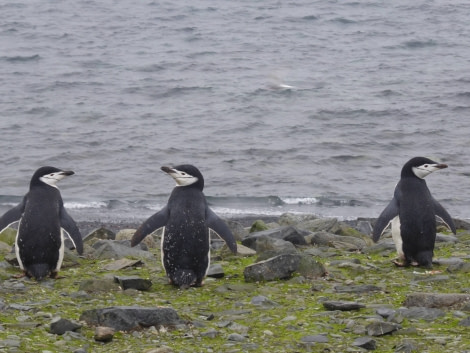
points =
(90, 204)
(300, 200)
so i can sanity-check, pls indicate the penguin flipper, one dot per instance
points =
(444, 216)
(68, 224)
(215, 223)
(12, 216)
(389, 213)
(154, 222)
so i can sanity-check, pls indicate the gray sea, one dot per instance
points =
(284, 106)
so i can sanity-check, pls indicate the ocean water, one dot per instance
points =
(299, 106)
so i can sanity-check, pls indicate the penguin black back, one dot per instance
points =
(416, 210)
(39, 243)
(187, 220)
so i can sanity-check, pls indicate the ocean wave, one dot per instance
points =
(300, 200)
(20, 58)
(87, 204)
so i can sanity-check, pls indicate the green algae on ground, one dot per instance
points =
(223, 307)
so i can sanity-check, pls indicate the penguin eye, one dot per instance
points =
(183, 173)
(425, 166)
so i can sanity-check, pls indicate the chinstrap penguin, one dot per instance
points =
(39, 243)
(187, 220)
(412, 213)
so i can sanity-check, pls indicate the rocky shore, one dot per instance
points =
(298, 284)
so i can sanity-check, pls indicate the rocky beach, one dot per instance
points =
(299, 283)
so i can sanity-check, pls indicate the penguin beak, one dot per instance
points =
(167, 170)
(67, 172)
(441, 166)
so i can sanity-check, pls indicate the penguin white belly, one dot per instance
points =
(161, 247)
(208, 253)
(396, 236)
(61, 250)
(17, 248)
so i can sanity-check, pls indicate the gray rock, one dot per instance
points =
(279, 267)
(287, 233)
(80, 350)
(447, 261)
(314, 339)
(365, 342)
(236, 337)
(344, 242)
(442, 238)
(11, 259)
(463, 267)
(60, 326)
(127, 234)
(104, 334)
(163, 349)
(121, 264)
(20, 307)
(238, 231)
(384, 247)
(461, 224)
(342, 305)
(428, 314)
(216, 271)
(10, 342)
(406, 347)
(269, 247)
(330, 225)
(109, 249)
(8, 236)
(217, 244)
(211, 333)
(311, 268)
(380, 328)
(434, 278)
(436, 300)
(126, 318)
(5, 248)
(133, 282)
(465, 322)
(364, 227)
(99, 233)
(361, 288)
(245, 251)
(295, 236)
(262, 301)
(385, 312)
(345, 261)
(98, 285)
(292, 219)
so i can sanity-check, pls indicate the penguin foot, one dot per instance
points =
(56, 275)
(399, 263)
(20, 275)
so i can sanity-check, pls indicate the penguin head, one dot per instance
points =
(49, 176)
(420, 167)
(186, 175)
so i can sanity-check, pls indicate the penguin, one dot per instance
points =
(187, 219)
(412, 214)
(39, 243)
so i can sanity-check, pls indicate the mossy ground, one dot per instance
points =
(299, 311)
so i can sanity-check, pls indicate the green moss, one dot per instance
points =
(258, 226)
(299, 311)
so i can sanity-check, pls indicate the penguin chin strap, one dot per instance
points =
(424, 170)
(50, 181)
